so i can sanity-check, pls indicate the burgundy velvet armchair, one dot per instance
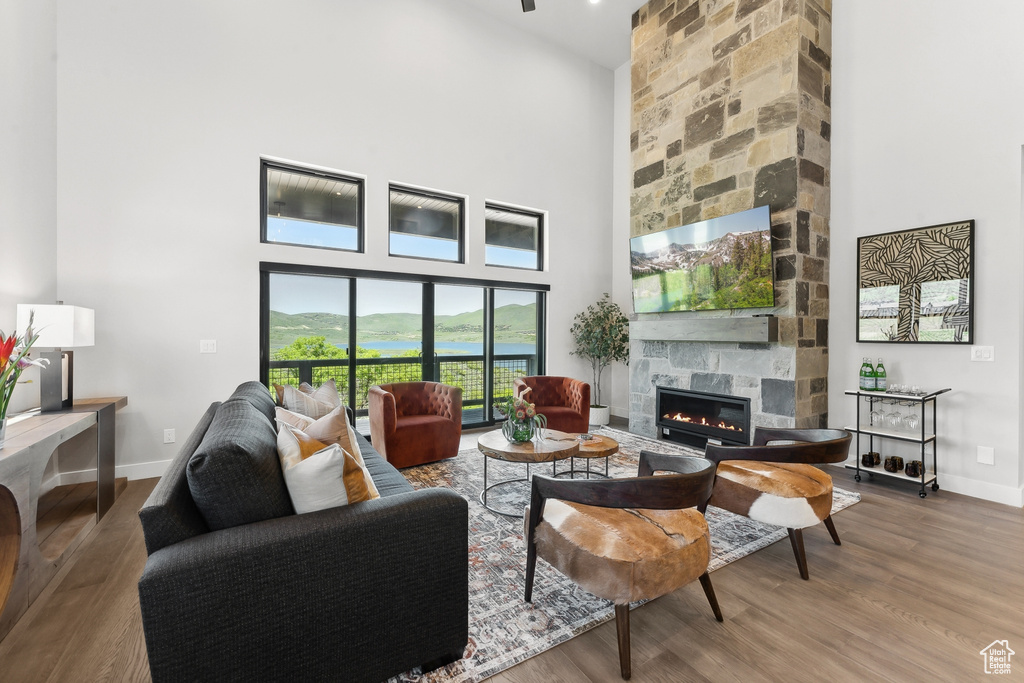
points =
(564, 401)
(412, 423)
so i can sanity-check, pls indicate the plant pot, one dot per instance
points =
(599, 415)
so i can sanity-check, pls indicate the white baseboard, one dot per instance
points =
(997, 493)
(143, 470)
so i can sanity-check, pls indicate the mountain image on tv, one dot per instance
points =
(720, 263)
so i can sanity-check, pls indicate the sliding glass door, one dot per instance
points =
(363, 328)
(516, 336)
(389, 334)
(459, 345)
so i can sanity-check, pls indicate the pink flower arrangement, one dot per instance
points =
(521, 410)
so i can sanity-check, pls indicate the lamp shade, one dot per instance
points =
(59, 326)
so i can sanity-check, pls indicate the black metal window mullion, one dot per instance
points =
(488, 353)
(352, 336)
(430, 371)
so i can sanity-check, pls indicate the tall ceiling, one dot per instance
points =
(599, 32)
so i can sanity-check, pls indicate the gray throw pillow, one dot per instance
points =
(235, 474)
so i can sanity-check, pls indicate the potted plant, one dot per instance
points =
(601, 335)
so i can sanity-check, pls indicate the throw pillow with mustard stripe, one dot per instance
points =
(320, 476)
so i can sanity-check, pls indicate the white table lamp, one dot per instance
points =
(59, 327)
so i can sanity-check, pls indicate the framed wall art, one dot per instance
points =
(917, 285)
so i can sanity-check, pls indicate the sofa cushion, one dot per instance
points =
(319, 476)
(258, 396)
(386, 478)
(235, 474)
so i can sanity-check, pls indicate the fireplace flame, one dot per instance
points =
(679, 417)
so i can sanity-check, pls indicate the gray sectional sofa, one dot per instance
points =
(239, 588)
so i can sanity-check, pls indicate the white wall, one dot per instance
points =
(28, 166)
(621, 280)
(165, 107)
(927, 127)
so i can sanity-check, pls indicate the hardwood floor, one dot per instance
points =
(917, 589)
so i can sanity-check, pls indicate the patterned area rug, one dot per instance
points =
(503, 629)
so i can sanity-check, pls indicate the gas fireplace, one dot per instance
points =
(696, 417)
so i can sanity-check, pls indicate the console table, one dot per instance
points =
(32, 439)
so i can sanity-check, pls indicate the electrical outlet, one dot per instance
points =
(982, 353)
(986, 455)
(207, 346)
(168, 436)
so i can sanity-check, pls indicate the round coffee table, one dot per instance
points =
(553, 447)
(597, 446)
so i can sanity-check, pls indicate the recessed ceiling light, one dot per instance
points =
(594, 2)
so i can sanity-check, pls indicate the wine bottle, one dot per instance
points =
(867, 376)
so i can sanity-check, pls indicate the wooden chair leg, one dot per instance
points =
(622, 629)
(709, 591)
(531, 566)
(796, 537)
(830, 525)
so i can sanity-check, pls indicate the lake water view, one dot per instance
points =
(394, 348)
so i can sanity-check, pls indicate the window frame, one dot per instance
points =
(541, 233)
(359, 181)
(430, 194)
(266, 269)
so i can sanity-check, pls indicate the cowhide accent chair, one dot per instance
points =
(625, 539)
(564, 401)
(775, 482)
(412, 423)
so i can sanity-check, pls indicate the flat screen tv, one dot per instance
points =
(720, 263)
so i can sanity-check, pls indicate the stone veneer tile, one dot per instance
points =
(714, 189)
(777, 115)
(684, 18)
(649, 174)
(769, 49)
(778, 396)
(710, 382)
(735, 143)
(704, 125)
(775, 185)
(747, 7)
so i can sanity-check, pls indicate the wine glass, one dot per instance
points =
(912, 421)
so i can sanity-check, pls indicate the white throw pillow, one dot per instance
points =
(317, 476)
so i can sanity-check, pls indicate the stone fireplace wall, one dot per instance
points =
(731, 110)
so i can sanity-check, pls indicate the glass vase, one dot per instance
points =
(519, 431)
(3, 430)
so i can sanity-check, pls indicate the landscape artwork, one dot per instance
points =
(719, 263)
(915, 285)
